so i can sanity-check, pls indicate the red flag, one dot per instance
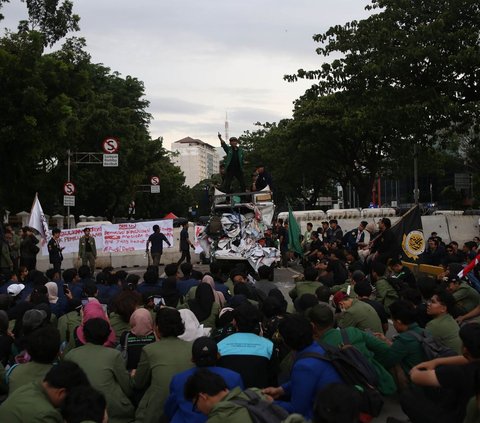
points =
(469, 267)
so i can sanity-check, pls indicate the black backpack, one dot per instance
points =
(431, 347)
(260, 410)
(355, 370)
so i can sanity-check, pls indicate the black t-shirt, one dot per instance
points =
(184, 239)
(459, 383)
(316, 245)
(157, 239)
(135, 345)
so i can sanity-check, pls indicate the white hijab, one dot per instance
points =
(193, 329)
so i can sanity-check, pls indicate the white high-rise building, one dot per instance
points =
(197, 160)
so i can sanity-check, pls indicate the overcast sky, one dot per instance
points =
(202, 58)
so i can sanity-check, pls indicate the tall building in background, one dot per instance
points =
(197, 159)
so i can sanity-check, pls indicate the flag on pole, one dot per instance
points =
(293, 233)
(38, 220)
(409, 233)
(469, 267)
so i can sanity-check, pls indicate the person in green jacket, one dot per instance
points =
(443, 326)
(233, 163)
(466, 297)
(323, 320)
(384, 291)
(405, 350)
(87, 250)
(42, 346)
(308, 286)
(38, 402)
(209, 394)
(159, 362)
(105, 369)
(357, 314)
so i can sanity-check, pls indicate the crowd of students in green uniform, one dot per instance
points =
(120, 348)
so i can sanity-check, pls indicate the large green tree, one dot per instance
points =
(61, 101)
(406, 74)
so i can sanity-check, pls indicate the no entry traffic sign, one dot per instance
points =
(155, 180)
(69, 188)
(110, 145)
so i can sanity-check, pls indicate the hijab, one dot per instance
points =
(193, 329)
(93, 309)
(219, 297)
(141, 322)
(203, 302)
(52, 291)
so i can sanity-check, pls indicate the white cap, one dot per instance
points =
(15, 289)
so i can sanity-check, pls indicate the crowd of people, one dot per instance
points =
(178, 345)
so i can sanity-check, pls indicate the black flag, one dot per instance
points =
(409, 233)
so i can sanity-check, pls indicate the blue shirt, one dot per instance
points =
(242, 343)
(184, 285)
(308, 376)
(179, 410)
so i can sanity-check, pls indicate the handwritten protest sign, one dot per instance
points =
(133, 236)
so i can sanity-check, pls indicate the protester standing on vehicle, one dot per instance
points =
(233, 163)
(156, 240)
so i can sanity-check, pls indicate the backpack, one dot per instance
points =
(431, 347)
(260, 410)
(355, 370)
(398, 284)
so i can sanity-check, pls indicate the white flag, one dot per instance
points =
(38, 220)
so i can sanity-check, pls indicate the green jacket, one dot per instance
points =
(466, 298)
(118, 325)
(371, 348)
(23, 374)
(66, 325)
(445, 330)
(473, 412)
(362, 316)
(82, 243)
(385, 293)
(106, 371)
(31, 404)
(405, 350)
(227, 411)
(228, 149)
(5, 259)
(159, 362)
(344, 288)
(304, 287)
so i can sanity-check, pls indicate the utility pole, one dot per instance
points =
(416, 192)
(226, 128)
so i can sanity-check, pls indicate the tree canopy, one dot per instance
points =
(407, 74)
(60, 101)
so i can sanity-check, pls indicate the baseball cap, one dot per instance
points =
(204, 348)
(15, 288)
(339, 296)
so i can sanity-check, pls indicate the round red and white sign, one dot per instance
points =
(110, 145)
(69, 188)
(155, 180)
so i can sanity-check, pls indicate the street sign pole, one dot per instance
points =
(68, 178)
